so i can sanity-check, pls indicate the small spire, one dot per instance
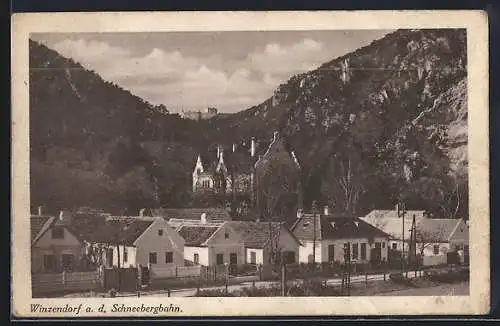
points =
(252, 147)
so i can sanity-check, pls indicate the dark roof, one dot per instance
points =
(334, 227)
(196, 235)
(39, 222)
(86, 225)
(120, 231)
(256, 234)
(213, 214)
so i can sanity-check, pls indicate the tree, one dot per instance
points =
(277, 188)
(344, 184)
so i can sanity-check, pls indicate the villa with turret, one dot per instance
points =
(234, 168)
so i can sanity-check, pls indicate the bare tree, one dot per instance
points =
(277, 188)
(343, 183)
(275, 250)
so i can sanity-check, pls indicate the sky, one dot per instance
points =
(231, 71)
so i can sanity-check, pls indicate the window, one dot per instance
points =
(436, 249)
(226, 235)
(289, 257)
(49, 263)
(253, 257)
(160, 232)
(125, 255)
(383, 244)
(67, 262)
(169, 257)
(331, 252)
(394, 246)
(196, 259)
(152, 258)
(219, 258)
(363, 251)
(58, 233)
(233, 258)
(354, 251)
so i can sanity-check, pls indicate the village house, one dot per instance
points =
(54, 246)
(434, 237)
(263, 239)
(210, 243)
(136, 241)
(330, 233)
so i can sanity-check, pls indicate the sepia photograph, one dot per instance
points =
(285, 163)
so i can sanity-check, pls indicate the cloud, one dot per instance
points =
(189, 82)
(285, 61)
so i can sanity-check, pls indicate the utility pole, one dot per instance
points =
(314, 232)
(401, 210)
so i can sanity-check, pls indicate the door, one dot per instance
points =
(376, 253)
(331, 253)
(109, 257)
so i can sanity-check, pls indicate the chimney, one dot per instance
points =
(221, 157)
(326, 210)
(234, 148)
(141, 212)
(41, 210)
(218, 151)
(299, 213)
(252, 147)
(65, 216)
(203, 218)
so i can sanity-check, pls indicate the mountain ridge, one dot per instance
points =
(352, 109)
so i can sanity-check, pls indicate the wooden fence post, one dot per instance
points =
(176, 271)
(366, 277)
(63, 277)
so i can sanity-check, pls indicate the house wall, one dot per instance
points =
(47, 245)
(131, 256)
(286, 243)
(218, 244)
(305, 251)
(150, 241)
(259, 255)
(201, 251)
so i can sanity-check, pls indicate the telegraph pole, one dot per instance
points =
(314, 232)
(401, 213)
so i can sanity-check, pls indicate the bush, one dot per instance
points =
(215, 293)
(399, 278)
(448, 276)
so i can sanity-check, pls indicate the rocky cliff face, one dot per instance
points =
(398, 107)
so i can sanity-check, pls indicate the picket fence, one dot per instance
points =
(175, 272)
(65, 281)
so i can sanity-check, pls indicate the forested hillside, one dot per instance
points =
(387, 120)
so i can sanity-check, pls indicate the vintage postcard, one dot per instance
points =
(250, 164)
